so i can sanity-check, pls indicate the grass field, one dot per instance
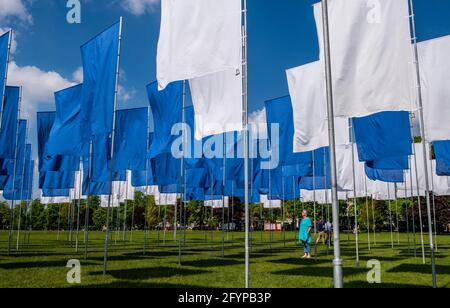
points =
(43, 262)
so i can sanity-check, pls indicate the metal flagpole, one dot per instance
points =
(367, 213)
(283, 234)
(16, 150)
(22, 188)
(419, 204)
(374, 222)
(390, 215)
(118, 216)
(113, 137)
(413, 208)
(223, 193)
(124, 229)
(422, 125)
(397, 215)
(338, 274)
(246, 142)
(29, 204)
(434, 205)
(407, 221)
(147, 167)
(88, 200)
(294, 227)
(6, 77)
(59, 221)
(182, 171)
(165, 219)
(79, 205)
(355, 203)
(314, 191)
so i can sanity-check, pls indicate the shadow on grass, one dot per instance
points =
(313, 271)
(298, 261)
(38, 264)
(212, 263)
(150, 272)
(420, 269)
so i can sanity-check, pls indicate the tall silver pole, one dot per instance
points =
(16, 150)
(182, 171)
(419, 205)
(22, 188)
(88, 200)
(246, 144)
(390, 215)
(374, 222)
(355, 204)
(413, 208)
(422, 126)
(124, 233)
(6, 77)
(338, 274)
(80, 183)
(397, 214)
(113, 137)
(434, 205)
(367, 213)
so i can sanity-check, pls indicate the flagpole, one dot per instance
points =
(182, 175)
(390, 215)
(407, 218)
(413, 208)
(113, 137)
(30, 203)
(124, 235)
(16, 150)
(422, 125)
(223, 194)
(419, 204)
(147, 192)
(6, 77)
(22, 188)
(355, 201)
(79, 204)
(397, 215)
(246, 144)
(434, 204)
(88, 200)
(338, 274)
(367, 213)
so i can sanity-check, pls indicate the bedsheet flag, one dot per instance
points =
(371, 55)
(66, 134)
(198, 38)
(435, 75)
(100, 57)
(9, 125)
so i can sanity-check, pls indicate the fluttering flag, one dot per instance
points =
(100, 59)
(217, 100)
(383, 135)
(65, 136)
(307, 90)
(387, 176)
(9, 125)
(130, 147)
(435, 75)
(4, 58)
(371, 56)
(198, 38)
(166, 108)
(442, 152)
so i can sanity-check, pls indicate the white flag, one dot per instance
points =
(371, 55)
(307, 90)
(435, 74)
(198, 38)
(217, 100)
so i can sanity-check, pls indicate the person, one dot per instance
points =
(328, 230)
(305, 234)
(321, 233)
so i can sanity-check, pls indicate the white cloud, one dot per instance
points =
(139, 7)
(14, 9)
(258, 120)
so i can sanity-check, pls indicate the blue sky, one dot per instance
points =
(47, 57)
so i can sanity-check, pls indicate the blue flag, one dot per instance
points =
(57, 163)
(57, 180)
(29, 179)
(4, 56)
(442, 153)
(388, 176)
(99, 58)
(55, 193)
(383, 135)
(166, 108)
(9, 125)
(130, 148)
(279, 112)
(65, 136)
(392, 163)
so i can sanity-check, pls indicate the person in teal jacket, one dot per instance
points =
(305, 234)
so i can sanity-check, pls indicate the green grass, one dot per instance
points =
(42, 263)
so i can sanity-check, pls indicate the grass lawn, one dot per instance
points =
(43, 262)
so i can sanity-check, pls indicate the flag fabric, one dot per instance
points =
(130, 147)
(279, 113)
(100, 57)
(56, 163)
(65, 136)
(9, 125)
(435, 74)
(388, 176)
(383, 135)
(442, 152)
(166, 108)
(198, 38)
(371, 56)
(54, 180)
(307, 90)
(217, 100)
(4, 57)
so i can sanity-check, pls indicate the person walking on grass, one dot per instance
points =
(305, 234)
